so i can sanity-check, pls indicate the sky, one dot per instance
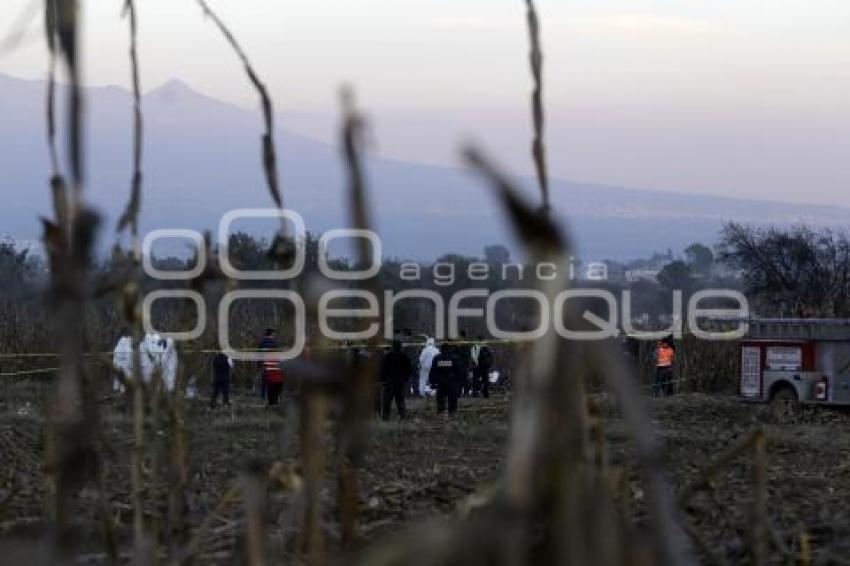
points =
(747, 98)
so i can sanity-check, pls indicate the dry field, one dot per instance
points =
(429, 466)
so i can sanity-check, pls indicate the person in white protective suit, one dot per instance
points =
(426, 358)
(158, 357)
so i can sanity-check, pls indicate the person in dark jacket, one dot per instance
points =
(462, 353)
(396, 369)
(482, 364)
(222, 367)
(447, 378)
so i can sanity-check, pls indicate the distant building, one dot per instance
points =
(723, 271)
(654, 263)
(648, 269)
(597, 271)
(616, 270)
(634, 275)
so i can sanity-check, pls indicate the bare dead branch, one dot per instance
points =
(359, 388)
(20, 25)
(538, 149)
(66, 26)
(130, 217)
(269, 158)
(191, 548)
(312, 434)
(551, 376)
(72, 455)
(253, 488)
(760, 524)
(50, 25)
(715, 466)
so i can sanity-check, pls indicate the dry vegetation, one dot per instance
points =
(550, 474)
(427, 472)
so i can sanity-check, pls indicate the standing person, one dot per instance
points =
(483, 365)
(267, 343)
(463, 358)
(222, 367)
(355, 358)
(665, 355)
(631, 354)
(474, 351)
(273, 378)
(395, 371)
(446, 377)
(426, 358)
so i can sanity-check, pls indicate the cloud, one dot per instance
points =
(560, 19)
(644, 23)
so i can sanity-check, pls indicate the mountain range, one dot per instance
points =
(202, 158)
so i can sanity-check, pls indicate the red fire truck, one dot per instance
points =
(789, 361)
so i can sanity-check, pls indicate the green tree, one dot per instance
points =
(791, 271)
(497, 254)
(676, 275)
(247, 252)
(700, 258)
(14, 264)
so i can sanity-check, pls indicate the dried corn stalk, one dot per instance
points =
(358, 388)
(72, 455)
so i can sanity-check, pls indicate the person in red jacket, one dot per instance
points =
(267, 343)
(273, 377)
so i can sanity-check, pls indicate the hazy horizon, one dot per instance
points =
(722, 98)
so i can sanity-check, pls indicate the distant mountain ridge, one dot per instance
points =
(201, 158)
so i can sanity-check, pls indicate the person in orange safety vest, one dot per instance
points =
(665, 355)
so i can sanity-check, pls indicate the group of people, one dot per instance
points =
(271, 378)
(446, 373)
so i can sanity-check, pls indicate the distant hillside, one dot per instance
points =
(201, 159)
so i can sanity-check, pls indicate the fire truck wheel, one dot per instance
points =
(784, 405)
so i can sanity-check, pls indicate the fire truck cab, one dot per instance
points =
(805, 360)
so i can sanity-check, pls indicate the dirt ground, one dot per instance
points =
(429, 466)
